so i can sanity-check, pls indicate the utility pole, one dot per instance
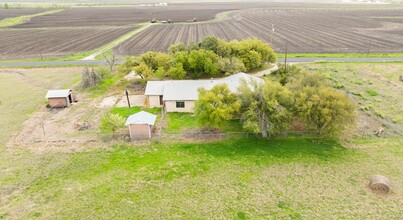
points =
(127, 96)
(285, 58)
(369, 46)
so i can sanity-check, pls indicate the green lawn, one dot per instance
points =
(247, 178)
(370, 86)
(125, 112)
(179, 122)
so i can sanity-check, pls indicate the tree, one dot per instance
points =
(298, 80)
(6, 6)
(230, 65)
(128, 65)
(111, 122)
(154, 60)
(143, 70)
(110, 60)
(174, 48)
(209, 43)
(265, 107)
(284, 72)
(198, 63)
(216, 106)
(325, 110)
(252, 60)
(177, 72)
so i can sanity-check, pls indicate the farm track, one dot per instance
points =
(306, 31)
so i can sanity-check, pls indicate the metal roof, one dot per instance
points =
(141, 118)
(187, 90)
(60, 93)
(155, 88)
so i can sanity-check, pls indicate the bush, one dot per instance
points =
(111, 122)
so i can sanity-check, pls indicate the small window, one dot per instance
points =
(180, 104)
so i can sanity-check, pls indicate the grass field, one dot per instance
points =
(375, 87)
(292, 178)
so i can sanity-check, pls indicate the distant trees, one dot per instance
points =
(216, 106)
(208, 58)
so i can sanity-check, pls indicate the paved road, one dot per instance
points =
(290, 60)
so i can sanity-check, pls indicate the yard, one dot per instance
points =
(289, 178)
(246, 178)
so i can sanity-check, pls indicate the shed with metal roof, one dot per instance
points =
(141, 125)
(60, 98)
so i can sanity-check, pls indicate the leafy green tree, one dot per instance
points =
(6, 6)
(209, 43)
(224, 49)
(177, 72)
(154, 60)
(216, 106)
(143, 70)
(265, 107)
(252, 60)
(284, 72)
(128, 65)
(174, 48)
(230, 65)
(111, 122)
(253, 52)
(325, 110)
(299, 80)
(198, 63)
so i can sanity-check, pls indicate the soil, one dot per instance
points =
(306, 31)
(61, 129)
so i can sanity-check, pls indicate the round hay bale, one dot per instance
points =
(380, 184)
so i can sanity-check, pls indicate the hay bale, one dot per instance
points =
(380, 184)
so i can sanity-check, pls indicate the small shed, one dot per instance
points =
(140, 125)
(60, 98)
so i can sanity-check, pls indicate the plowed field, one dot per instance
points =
(306, 31)
(8, 13)
(32, 43)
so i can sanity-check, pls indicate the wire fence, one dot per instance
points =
(123, 135)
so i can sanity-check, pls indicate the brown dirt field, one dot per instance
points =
(32, 43)
(306, 31)
(180, 12)
(8, 13)
(58, 129)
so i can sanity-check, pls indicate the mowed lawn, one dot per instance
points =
(289, 178)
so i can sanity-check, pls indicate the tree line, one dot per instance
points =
(271, 107)
(209, 58)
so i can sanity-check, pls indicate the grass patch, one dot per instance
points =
(125, 112)
(178, 122)
(340, 55)
(372, 92)
(247, 178)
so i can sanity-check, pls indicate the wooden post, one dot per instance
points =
(127, 96)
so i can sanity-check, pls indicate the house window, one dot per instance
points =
(180, 104)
